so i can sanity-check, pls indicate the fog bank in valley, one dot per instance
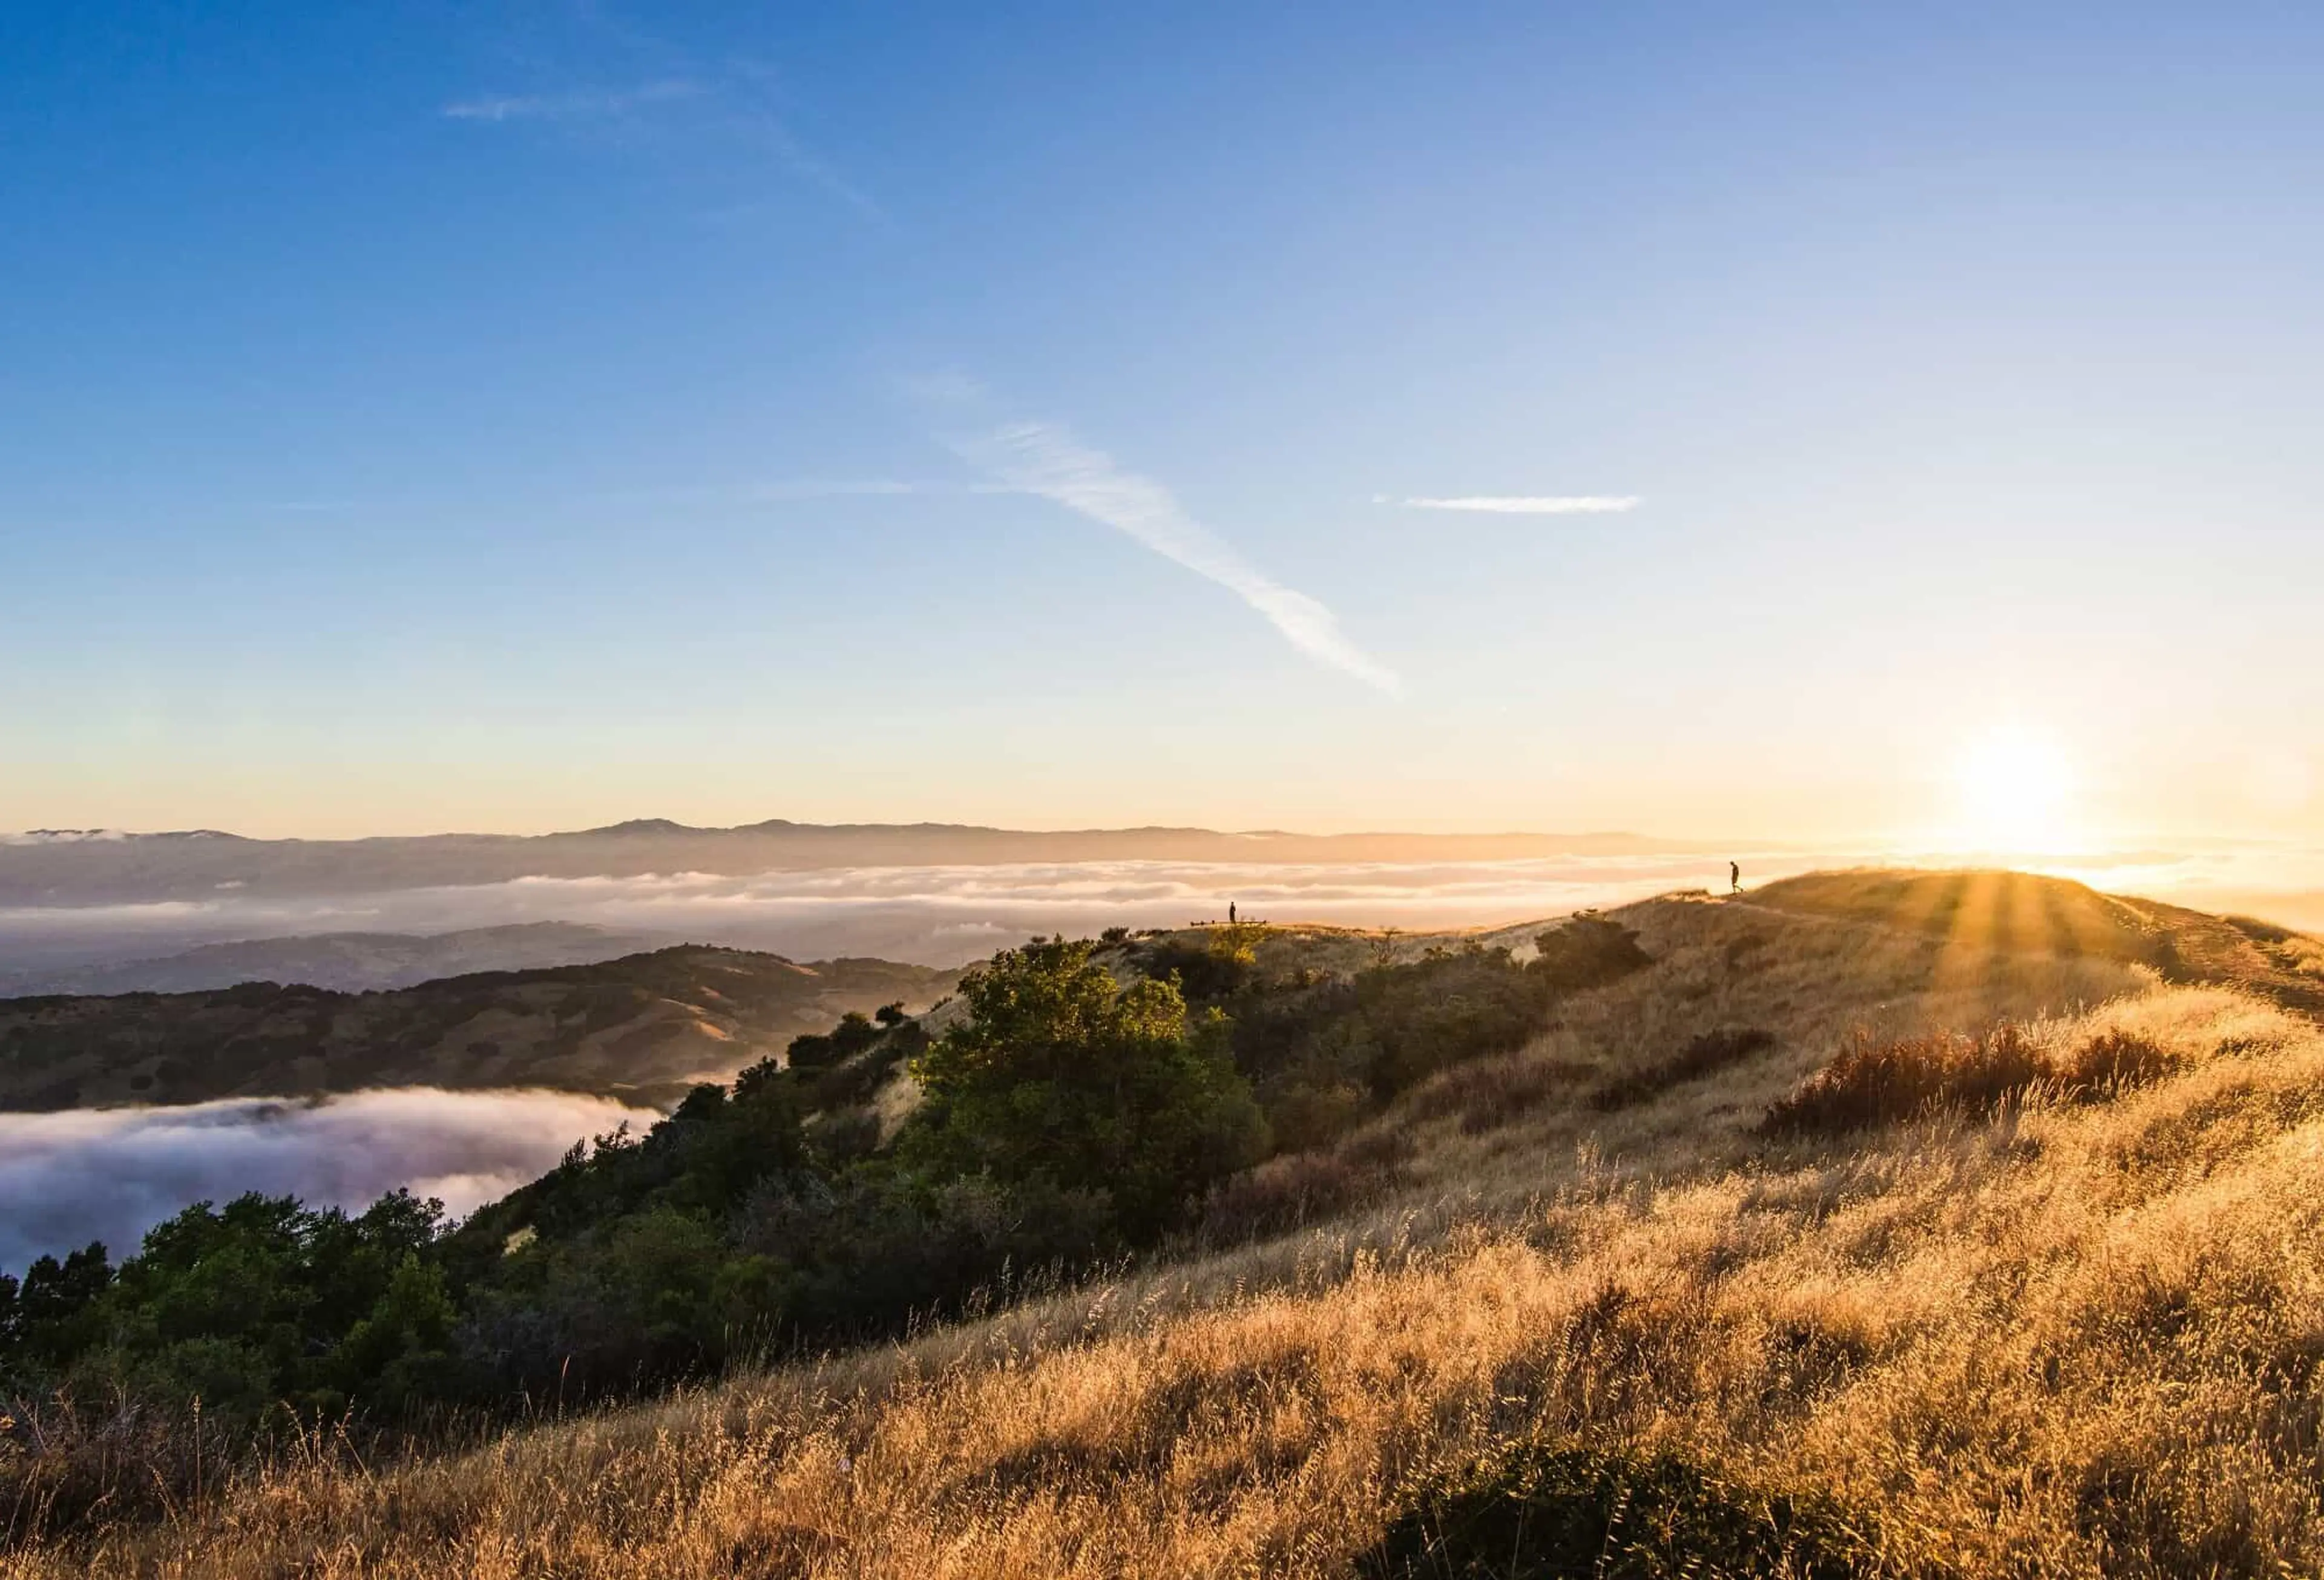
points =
(950, 914)
(929, 915)
(111, 1173)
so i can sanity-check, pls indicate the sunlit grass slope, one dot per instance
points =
(2070, 1328)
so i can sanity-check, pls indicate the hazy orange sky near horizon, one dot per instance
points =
(1957, 776)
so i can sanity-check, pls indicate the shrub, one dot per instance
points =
(1447, 1008)
(1204, 974)
(1384, 1148)
(1324, 1051)
(856, 1032)
(855, 1080)
(1706, 1054)
(1587, 952)
(1539, 1514)
(1873, 1082)
(843, 1136)
(1879, 1083)
(810, 1050)
(1236, 942)
(2113, 1059)
(1283, 1193)
(1304, 1114)
(1491, 1092)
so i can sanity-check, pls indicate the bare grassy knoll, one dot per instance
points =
(2063, 1320)
(2022, 912)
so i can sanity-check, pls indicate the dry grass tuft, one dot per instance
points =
(2111, 1060)
(1489, 1093)
(1877, 1082)
(1285, 1193)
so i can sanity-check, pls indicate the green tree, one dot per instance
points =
(1061, 1076)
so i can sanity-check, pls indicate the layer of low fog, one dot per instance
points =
(111, 1173)
(947, 916)
(934, 915)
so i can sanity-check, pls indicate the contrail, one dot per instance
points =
(1040, 458)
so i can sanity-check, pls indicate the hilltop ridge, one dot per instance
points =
(2017, 911)
(348, 962)
(643, 1027)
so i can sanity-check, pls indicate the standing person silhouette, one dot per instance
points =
(1230, 914)
(1734, 878)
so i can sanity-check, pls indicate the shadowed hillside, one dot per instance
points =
(644, 1027)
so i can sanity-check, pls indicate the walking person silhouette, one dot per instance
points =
(1734, 878)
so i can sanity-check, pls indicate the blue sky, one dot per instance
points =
(516, 416)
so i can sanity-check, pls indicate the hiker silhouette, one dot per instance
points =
(1734, 878)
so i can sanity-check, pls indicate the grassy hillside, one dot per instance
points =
(644, 1026)
(1773, 1256)
(2019, 911)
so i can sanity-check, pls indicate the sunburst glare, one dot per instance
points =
(2016, 789)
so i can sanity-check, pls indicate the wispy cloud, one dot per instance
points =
(803, 490)
(573, 106)
(735, 104)
(1521, 504)
(811, 488)
(1043, 459)
(752, 101)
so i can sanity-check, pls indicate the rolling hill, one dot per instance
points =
(643, 1027)
(2023, 914)
(1635, 1297)
(351, 962)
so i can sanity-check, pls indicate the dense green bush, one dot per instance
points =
(1063, 1077)
(853, 1035)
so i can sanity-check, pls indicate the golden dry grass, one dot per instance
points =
(2074, 1340)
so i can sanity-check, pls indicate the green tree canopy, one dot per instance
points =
(1061, 1076)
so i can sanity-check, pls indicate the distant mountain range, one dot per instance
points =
(351, 962)
(74, 866)
(641, 1028)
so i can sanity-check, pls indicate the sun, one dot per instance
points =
(2016, 790)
